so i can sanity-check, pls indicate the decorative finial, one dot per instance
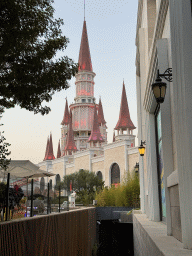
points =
(84, 9)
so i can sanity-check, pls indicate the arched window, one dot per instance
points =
(115, 174)
(42, 184)
(50, 184)
(99, 175)
(57, 179)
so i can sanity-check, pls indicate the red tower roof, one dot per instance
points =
(50, 155)
(59, 150)
(46, 152)
(84, 53)
(66, 115)
(70, 145)
(101, 119)
(95, 133)
(124, 116)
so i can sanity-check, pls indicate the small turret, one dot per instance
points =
(95, 136)
(70, 145)
(50, 155)
(59, 150)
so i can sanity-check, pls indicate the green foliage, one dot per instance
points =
(4, 162)
(30, 38)
(126, 194)
(85, 184)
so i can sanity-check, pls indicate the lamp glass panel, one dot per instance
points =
(142, 151)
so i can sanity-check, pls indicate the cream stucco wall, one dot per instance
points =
(132, 160)
(99, 166)
(69, 170)
(114, 155)
(82, 163)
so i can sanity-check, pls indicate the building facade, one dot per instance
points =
(163, 40)
(83, 143)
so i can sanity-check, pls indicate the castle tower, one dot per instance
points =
(124, 123)
(47, 147)
(83, 108)
(64, 128)
(95, 138)
(49, 154)
(102, 122)
(70, 145)
(59, 150)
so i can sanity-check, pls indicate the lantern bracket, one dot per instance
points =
(167, 74)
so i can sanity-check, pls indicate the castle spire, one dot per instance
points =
(113, 136)
(59, 150)
(124, 121)
(95, 133)
(101, 119)
(70, 145)
(84, 53)
(66, 115)
(46, 152)
(50, 155)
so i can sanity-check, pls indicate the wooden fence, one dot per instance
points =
(70, 233)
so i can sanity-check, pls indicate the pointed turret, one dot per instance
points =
(114, 136)
(59, 150)
(46, 152)
(84, 53)
(66, 115)
(124, 121)
(70, 145)
(50, 155)
(95, 133)
(101, 119)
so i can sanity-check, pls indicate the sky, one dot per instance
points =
(111, 27)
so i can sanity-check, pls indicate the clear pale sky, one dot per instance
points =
(111, 27)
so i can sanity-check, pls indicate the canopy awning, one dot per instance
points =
(24, 169)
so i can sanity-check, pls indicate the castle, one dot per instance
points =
(83, 143)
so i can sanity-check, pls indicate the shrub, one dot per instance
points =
(126, 194)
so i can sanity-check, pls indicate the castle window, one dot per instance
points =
(115, 174)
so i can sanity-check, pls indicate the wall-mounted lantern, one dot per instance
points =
(136, 168)
(142, 148)
(159, 87)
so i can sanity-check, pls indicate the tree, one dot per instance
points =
(84, 183)
(29, 39)
(4, 162)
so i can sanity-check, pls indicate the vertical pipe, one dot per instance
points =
(48, 199)
(7, 197)
(31, 214)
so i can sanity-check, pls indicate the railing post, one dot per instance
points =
(7, 197)
(31, 214)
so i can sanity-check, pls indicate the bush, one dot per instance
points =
(126, 194)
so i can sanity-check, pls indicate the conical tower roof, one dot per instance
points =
(46, 152)
(70, 145)
(66, 115)
(84, 53)
(124, 121)
(101, 119)
(50, 155)
(114, 136)
(59, 150)
(95, 133)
